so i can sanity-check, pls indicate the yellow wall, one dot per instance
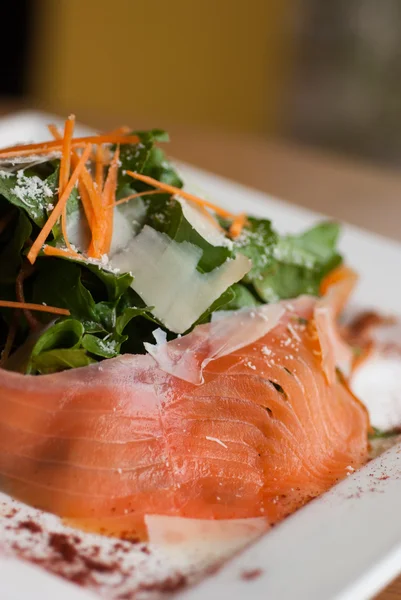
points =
(214, 62)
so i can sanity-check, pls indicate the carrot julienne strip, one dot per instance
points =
(61, 252)
(83, 192)
(136, 195)
(54, 131)
(56, 145)
(123, 130)
(65, 166)
(109, 195)
(237, 225)
(40, 240)
(178, 192)
(38, 307)
(99, 167)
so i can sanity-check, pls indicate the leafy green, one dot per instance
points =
(59, 360)
(257, 242)
(58, 283)
(160, 168)
(130, 313)
(76, 286)
(115, 284)
(65, 334)
(220, 304)
(377, 433)
(28, 191)
(291, 265)
(11, 250)
(166, 215)
(243, 298)
(58, 348)
(148, 159)
(103, 347)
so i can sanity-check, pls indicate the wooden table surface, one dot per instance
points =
(349, 190)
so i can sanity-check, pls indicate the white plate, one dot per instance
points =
(344, 545)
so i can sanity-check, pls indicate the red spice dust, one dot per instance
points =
(251, 574)
(169, 585)
(61, 543)
(99, 566)
(31, 526)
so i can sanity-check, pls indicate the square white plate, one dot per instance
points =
(344, 545)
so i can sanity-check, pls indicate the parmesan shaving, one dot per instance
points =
(166, 277)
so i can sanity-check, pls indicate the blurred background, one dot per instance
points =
(324, 73)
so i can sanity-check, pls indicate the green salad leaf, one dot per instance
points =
(26, 190)
(165, 214)
(11, 248)
(290, 265)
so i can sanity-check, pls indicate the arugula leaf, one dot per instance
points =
(65, 334)
(145, 158)
(10, 254)
(45, 354)
(313, 249)
(28, 191)
(378, 433)
(286, 281)
(243, 298)
(292, 265)
(59, 360)
(130, 313)
(58, 283)
(105, 348)
(219, 304)
(257, 242)
(115, 284)
(101, 323)
(166, 215)
(160, 168)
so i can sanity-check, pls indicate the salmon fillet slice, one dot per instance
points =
(263, 430)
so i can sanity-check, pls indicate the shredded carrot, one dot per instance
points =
(341, 273)
(109, 195)
(54, 131)
(99, 167)
(40, 240)
(92, 193)
(211, 219)
(56, 145)
(60, 252)
(65, 163)
(39, 307)
(65, 167)
(123, 130)
(136, 195)
(83, 192)
(237, 225)
(178, 192)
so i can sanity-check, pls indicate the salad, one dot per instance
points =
(100, 246)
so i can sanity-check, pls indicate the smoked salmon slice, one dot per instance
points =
(236, 420)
